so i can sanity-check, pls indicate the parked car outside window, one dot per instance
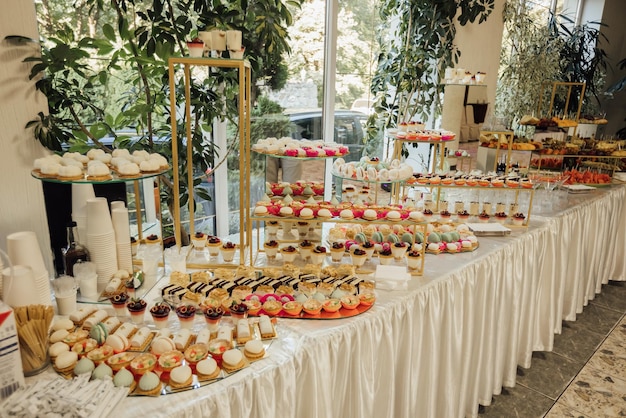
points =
(349, 129)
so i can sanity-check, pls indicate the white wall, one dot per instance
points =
(21, 197)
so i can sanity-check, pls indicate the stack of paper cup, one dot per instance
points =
(101, 240)
(121, 226)
(19, 282)
(80, 194)
(23, 249)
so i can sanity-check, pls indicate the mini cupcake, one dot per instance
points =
(136, 308)
(160, 314)
(228, 251)
(186, 315)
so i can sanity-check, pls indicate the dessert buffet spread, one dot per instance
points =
(395, 242)
(310, 292)
(150, 361)
(408, 133)
(303, 148)
(98, 165)
(371, 169)
(475, 178)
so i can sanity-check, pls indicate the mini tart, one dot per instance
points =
(85, 346)
(254, 350)
(100, 354)
(331, 305)
(312, 306)
(350, 302)
(367, 299)
(254, 306)
(207, 369)
(120, 361)
(143, 363)
(170, 359)
(293, 308)
(195, 353)
(149, 385)
(232, 360)
(180, 377)
(272, 307)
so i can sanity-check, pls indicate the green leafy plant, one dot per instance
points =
(417, 44)
(129, 58)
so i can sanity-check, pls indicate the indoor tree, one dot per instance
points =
(126, 57)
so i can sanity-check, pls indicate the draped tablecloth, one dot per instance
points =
(443, 346)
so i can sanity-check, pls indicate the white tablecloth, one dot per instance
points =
(439, 349)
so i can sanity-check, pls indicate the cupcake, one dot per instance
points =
(214, 244)
(186, 315)
(136, 308)
(212, 316)
(119, 303)
(199, 241)
(160, 314)
(228, 251)
(337, 250)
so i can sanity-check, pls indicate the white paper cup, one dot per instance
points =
(66, 304)
(233, 40)
(98, 217)
(118, 204)
(121, 225)
(23, 249)
(218, 40)
(18, 285)
(207, 39)
(80, 194)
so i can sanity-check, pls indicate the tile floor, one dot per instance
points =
(585, 374)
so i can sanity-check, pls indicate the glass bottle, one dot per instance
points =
(75, 252)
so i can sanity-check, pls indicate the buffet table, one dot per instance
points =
(444, 346)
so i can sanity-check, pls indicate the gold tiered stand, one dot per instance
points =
(243, 67)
